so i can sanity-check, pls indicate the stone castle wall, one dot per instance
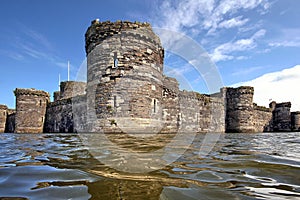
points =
(31, 107)
(66, 115)
(3, 116)
(59, 118)
(126, 91)
(262, 119)
(10, 121)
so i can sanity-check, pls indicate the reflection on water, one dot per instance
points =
(240, 166)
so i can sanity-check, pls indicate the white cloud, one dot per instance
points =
(185, 14)
(279, 86)
(285, 44)
(234, 22)
(223, 51)
(231, 7)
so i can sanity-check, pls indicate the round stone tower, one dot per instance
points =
(124, 76)
(239, 109)
(31, 107)
(3, 115)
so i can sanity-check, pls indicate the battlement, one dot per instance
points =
(99, 31)
(194, 96)
(32, 91)
(284, 104)
(295, 113)
(261, 108)
(239, 90)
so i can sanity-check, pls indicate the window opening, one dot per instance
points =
(115, 101)
(154, 106)
(115, 60)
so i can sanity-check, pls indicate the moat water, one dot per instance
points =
(240, 166)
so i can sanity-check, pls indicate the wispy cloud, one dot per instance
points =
(223, 51)
(29, 43)
(12, 55)
(37, 37)
(287, 38)
(234, 22)
(277, 86)
(207, 18)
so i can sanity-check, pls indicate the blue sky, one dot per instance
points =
(252, 42)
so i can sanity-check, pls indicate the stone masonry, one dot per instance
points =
(127, 92)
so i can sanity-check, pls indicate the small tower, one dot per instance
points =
(3, 115)
(69, 89)
(31, 107)
(281, 116)
(239, 109)
(295, 117)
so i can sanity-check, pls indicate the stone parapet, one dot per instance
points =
(32, 91)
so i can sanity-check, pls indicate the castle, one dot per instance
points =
(127, 92)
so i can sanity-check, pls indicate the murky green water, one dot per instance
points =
(240, 166)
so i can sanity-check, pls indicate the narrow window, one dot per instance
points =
(115, 101)
(4, 113)
(115, 60)
(42, 119)
(154, 106)
(178, 117)
(40, 102)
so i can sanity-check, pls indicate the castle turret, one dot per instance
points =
(239, 109)
(3, 115)
(124, 72)
(30, 110)
(281, 116)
